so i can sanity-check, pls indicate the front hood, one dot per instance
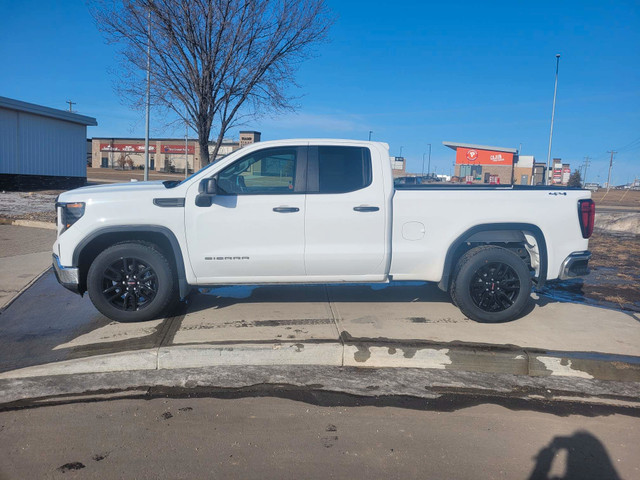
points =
(113, 189)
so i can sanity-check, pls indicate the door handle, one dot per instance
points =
(286, 209)
(366, 209)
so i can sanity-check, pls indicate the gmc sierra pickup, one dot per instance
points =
(316, 211)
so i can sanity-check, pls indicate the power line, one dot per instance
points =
(587, 162)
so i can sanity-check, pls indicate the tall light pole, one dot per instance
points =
(553, 113)
(612, 152)
(429, 166)
(423, 163)
(148, 101)
(370, 132)
(401, 152)
(186, 148)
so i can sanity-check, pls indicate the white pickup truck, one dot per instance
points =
(316, 211)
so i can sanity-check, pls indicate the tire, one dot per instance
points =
(491, 284)
(132, 282)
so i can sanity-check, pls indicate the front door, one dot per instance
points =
(254, 230)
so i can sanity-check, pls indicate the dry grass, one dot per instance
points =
(620, 198)
(615, 269)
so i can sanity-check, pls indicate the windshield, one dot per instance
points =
(175, 183)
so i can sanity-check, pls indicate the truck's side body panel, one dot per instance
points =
(426, 223)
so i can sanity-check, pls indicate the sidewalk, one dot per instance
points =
(49, 333)
(25, 255)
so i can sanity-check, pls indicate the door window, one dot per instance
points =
(271, 171)
(343, 169)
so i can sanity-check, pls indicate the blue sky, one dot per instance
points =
(412, 72)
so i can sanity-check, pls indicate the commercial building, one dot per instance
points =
(398, 166)
(560, 173)
(165, 154)
(41, 147)
(492, 165)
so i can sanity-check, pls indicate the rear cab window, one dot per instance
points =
(337, 169)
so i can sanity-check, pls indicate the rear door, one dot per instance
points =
(346, 212)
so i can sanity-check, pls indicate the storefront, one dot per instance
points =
(490, 165)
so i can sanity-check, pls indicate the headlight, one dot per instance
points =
(70, 213)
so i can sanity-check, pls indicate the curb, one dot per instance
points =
(365, 355)
(27, 223)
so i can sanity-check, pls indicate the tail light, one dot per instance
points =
(587, 215)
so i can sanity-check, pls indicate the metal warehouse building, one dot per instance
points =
(41, 146)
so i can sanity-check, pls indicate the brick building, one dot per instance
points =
(165, 154)
(492, 165)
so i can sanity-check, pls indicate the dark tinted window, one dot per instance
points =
(265, 172)
(343, 169)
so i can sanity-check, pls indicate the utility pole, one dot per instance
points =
(586, 165)
(370, 132)
(423, 155)
(148, 102)
(401, 151)
(612, 152)
(553, 113)
(70, 104)
(186, 149)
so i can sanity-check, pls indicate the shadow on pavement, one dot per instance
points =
(586, 458)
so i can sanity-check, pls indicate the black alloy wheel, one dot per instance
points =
(494, 287)
(491, 284)
(129, 284)
(132, 282)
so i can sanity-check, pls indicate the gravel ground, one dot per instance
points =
(29, 205)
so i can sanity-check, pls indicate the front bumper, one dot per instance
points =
(575, 265)
(68, 277)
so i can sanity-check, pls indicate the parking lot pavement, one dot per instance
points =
(25, 254)
(48, 330)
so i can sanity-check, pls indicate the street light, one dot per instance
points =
(553, 112)
(429, 167)
(370, 132)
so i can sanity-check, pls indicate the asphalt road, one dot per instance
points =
(315, 436)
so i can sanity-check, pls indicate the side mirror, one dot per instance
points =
(208, 186)
(207, 190)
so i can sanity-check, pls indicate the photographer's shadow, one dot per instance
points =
(586, 456)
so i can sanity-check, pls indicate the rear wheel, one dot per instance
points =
(491, 284)
(131, 282)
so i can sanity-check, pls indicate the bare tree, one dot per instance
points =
(215, 63)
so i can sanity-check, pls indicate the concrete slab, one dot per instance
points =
(258, 314)
(18, 272)
(419, 312)
(198, 356)
(24, 256)
(114, 332)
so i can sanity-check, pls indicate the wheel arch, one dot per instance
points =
(492, 235)
(87, 250)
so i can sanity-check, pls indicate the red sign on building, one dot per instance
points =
(130, 148)
(475, 156)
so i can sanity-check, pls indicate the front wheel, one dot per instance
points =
(131, 282)
(491, 284)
